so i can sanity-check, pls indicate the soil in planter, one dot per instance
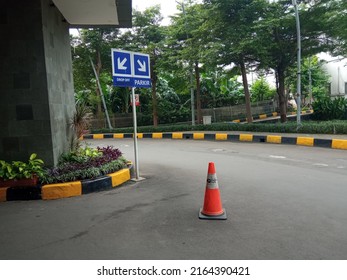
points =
(25, 182)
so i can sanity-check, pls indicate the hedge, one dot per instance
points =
(310, 127)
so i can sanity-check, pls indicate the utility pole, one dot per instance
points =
(309, 81)
(298, 94)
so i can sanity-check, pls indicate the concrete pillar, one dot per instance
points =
(36, 85)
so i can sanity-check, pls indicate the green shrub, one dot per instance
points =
(80, 155)
(326, 108)
(261, 90)
(86, 163)
(327, 127)
(20, 169)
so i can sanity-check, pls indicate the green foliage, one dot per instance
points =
(81, 174)
(20, 169)
(184, 39)
(112, 166)
(220, 89)
(85, 173)
(277, 36)
(313, 67)
(85, 163)
(326, 108)
(147, 30)
(328, 127)
(6, 171)
(261, 90)
(80, 155)
(215, 34)
(80, 123)
(170, 105)
(94, 44)
(232, 26)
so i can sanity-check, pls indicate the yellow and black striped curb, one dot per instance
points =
(274, 139)
(64, 190)
(270, 115)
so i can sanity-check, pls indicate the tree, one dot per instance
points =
(95, 44)
(332, 14)
(185, 44)
(209, 38)
(147, 36)
(219, 89)
(276, 31)
(261, 90)
(313, 77)
(231, 38)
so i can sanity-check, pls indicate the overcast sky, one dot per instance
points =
(168, 7)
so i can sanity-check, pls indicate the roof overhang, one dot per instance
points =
(96, 13)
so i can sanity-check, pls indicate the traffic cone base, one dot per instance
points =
(223, 216)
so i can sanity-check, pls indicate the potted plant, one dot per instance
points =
(19, 173)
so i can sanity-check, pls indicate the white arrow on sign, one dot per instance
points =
(142, 66)
(121, 64)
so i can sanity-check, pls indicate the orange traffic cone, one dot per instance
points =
(212, 209)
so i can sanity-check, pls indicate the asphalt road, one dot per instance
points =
(282, 202)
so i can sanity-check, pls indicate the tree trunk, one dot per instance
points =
(246, 90)
(281, 95)
(125, 94)
(198, 98)
(98, 70)
(154, 95)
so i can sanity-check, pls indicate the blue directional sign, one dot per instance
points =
(142, 75)
(130, 69)
(121, 68)
(122, 63)
(141, 65)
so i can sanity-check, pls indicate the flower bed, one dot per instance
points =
(86, 163)
(81, 171)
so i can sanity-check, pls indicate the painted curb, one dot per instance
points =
(64, 190)
(250, 138)
(270, 115)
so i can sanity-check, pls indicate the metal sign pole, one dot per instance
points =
(137, 169)
(298, 96)
(130, 69)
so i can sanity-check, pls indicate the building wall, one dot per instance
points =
(336, 68)
(59, 76)
(36, 87)
(338, 77)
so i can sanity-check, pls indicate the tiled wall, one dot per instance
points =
(36, 87)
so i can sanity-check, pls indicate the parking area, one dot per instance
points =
(282, 202)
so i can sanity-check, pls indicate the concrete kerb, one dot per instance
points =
(262, 117)
(333, 143)
(68, 189)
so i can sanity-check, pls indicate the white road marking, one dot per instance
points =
(278, 157)
(217, 150)
(320, 164)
